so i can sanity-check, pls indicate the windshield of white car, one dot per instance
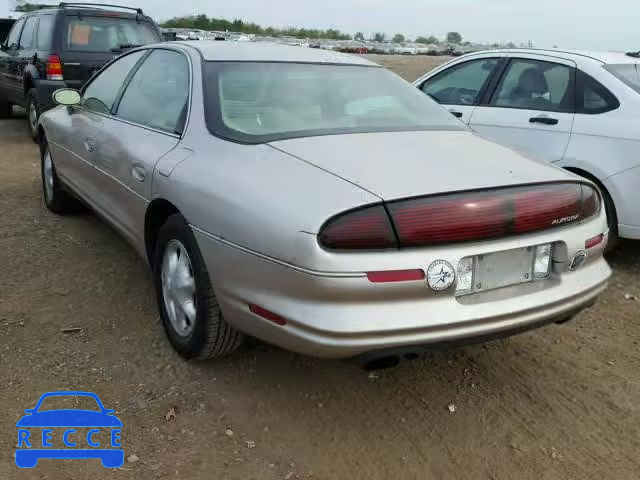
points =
(628, 73)
(254, 102)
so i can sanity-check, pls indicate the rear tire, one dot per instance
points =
(33, 113)
(55, 197)
(189, 310)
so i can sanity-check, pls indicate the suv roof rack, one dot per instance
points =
(91, 5)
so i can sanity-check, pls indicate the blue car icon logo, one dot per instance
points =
(62, 425)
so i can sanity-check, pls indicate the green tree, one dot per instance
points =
(454, 37)
(379, 37)
(28, 7)
(428, 40)
(359, 36)
(398, 38)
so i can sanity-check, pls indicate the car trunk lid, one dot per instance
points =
(396, 165)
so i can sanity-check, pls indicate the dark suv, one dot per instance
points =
(64, 46)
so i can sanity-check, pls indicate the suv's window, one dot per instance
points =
(594, 97)
(536, 85)
(14, 35)
(462, 83)
(106, 34)
(45, 30)
(27, 40)
(102, 92)
(158, 92)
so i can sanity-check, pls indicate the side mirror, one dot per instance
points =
(29, 410)
(67, 96)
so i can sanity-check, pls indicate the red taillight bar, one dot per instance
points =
(54, 68)
(461, 217)
(367, 228)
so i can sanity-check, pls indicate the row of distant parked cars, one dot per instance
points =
(321, 203)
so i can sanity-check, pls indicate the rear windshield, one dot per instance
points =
(106, 34)
(260, 102)
(628, 73)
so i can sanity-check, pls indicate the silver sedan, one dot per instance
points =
(318, 202)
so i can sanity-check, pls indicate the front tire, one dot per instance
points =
(55, 197)
(33, 113)
(189, 310)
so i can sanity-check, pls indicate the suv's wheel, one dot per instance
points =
(55, 197)
(188, 307)
(5, 109)
(33, 113)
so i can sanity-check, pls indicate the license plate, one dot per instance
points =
(501, 269)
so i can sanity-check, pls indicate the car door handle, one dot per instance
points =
(138, 172)
(90, 145)
(544, 120)
(456, 114)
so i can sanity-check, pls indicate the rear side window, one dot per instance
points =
(45, 31)
(106, 34)
(460, 84)
(158, 92)
(536, 85)
(27, 39)
(102, 92)
(14, 35)
(593, 97)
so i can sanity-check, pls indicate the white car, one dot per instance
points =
(578, 110)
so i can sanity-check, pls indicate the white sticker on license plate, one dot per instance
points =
(500, 269)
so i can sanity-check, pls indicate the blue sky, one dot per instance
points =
(583, 24)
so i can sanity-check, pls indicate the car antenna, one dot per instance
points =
(633, 54)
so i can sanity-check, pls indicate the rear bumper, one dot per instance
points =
(623, 187)
(346, 315)
(629, 231)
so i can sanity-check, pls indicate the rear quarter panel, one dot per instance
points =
(608, 143)
(259, 198)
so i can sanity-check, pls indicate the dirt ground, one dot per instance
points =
(407, 66)
(557, 403)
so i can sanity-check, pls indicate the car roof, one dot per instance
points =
(576, 55)
(225, 51)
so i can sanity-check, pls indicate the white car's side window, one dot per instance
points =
(536, 85)
(462, 83)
